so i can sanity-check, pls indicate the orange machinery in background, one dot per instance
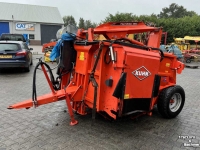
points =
(47, 49)
(115, 77)
(48, 46)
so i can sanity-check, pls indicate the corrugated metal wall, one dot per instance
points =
(30, 13)
(48, 32)
(4, 27)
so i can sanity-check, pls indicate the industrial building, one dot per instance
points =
(37, 23)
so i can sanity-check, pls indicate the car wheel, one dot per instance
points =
(31, 62)
(27, 69)
(171, 101)
(188, 60)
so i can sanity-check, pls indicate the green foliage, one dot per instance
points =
(175, 20)
(69, 19)
(85, 24)
(119, 17)
(81, 23)
(130, 17)
(175, 11)
(180, 27)
(88, 24)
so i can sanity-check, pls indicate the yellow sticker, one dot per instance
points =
(126, 96)
(81, 57)
(167, 64)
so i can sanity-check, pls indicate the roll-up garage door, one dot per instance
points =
(48, 32)
(4, 27)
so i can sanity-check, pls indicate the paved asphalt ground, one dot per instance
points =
(47, 127)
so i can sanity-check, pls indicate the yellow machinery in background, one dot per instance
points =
(130, 36)
(47, 56)
(196, 39)
(182, 44)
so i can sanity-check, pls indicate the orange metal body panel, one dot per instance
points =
(141, 67)
(140, 76)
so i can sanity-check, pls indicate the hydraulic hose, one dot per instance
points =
(56, 84)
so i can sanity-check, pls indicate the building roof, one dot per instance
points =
(30, 13)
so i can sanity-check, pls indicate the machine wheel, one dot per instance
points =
(188, 60)
(171, 101)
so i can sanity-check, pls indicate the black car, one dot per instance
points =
(15, 54)
(12, 37)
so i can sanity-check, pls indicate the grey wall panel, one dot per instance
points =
(48, 32)
(36, 31)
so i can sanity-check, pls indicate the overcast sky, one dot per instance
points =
(97, 10)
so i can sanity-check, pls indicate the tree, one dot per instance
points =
(175, 11)
(69, 19)
(85, 24)
(89, 24)
(94, 25)
(81, 23)
(119, 17)
(175, 20)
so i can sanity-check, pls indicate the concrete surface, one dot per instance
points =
(37, 50)
(47, 127)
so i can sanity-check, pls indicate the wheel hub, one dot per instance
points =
(175, 102)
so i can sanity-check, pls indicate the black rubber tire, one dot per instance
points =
(31, 62)
(27, 69)
(188, 60)
(164, 101)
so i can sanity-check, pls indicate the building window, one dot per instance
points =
(31, 36)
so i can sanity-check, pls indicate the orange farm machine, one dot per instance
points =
(114, 77)
(48, 46)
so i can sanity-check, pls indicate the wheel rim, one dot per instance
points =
(188, 61)
(175, 102)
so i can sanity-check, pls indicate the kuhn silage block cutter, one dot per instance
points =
(117, 76)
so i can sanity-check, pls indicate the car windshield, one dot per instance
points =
(9, 47)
